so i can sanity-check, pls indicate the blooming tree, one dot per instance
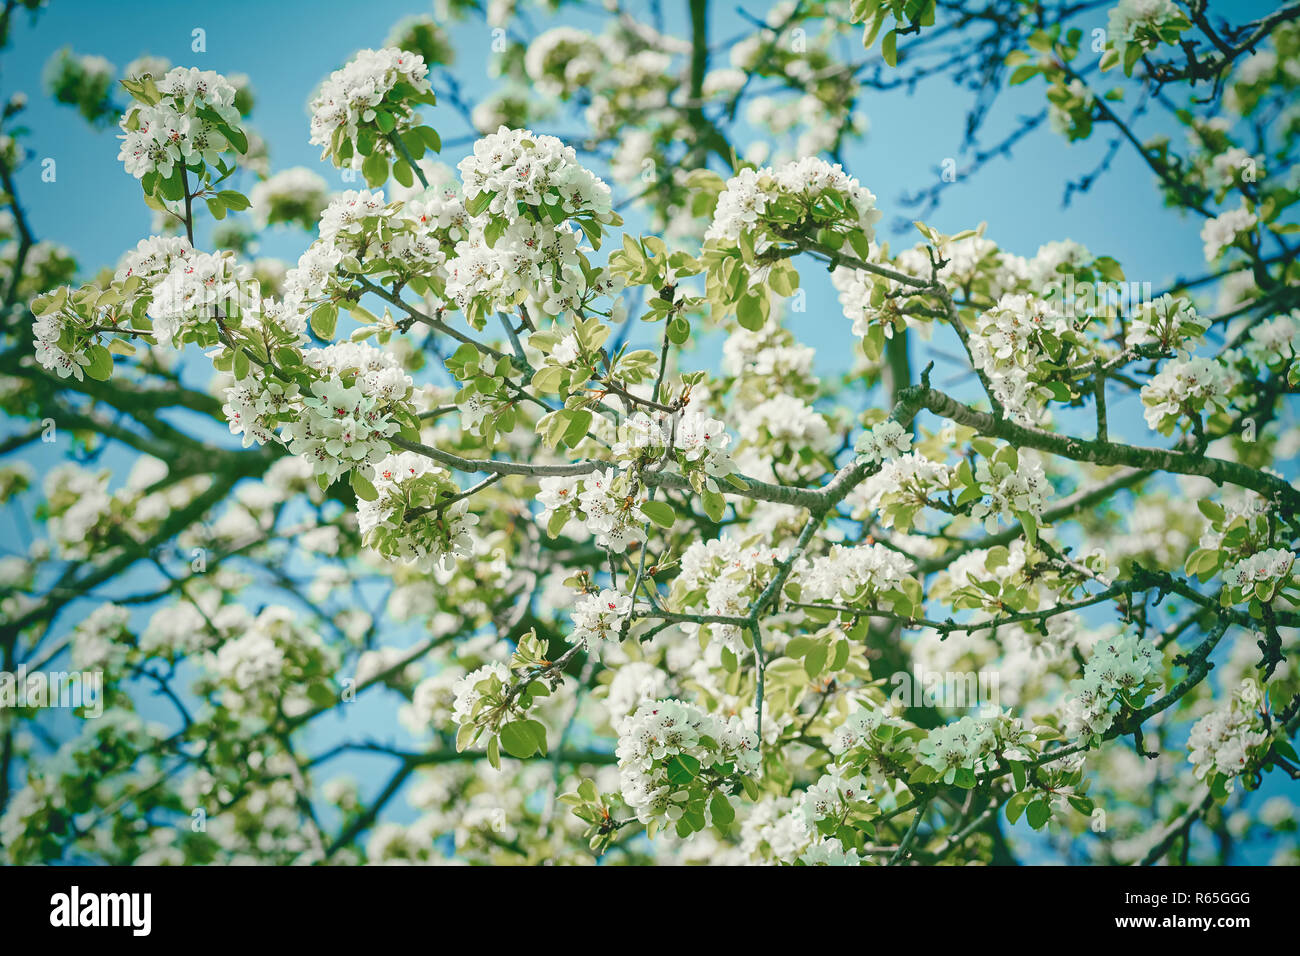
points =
(548, 462)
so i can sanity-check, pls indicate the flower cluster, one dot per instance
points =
(833, 797)
(273, 664)
(759, 200)
(535, 201)
(100, 641)
(960, 745)
(883, 442)
(722, 576)
(1258, 576)
(296, 196)
(1120, 672)
(69, 323)
(1013, 487)
(1275, 342)
(598, 620)
(1143, 23)
(1186, 388)
(514, 166)
(1168, 322)
(348, 414)
(783, 429)
(678, 764)
(1228, 741)
(406, 520)
(853, 575)
(1222, 231)
(478, 691)
(189, 120)
(563, 59)
(202, 292)
(1010, 344)
(607, 502)
(901, 487)
(688, 442)
(365, 101)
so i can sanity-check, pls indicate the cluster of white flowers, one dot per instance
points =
(297, 195)
(1137, 20)
(270, 664)
(1186, 387)
(662, 730)
(470, 689)
(199, 288)
(833, 795)
(1010, 489)
(1260, 574)
(57, 346)
(602, 501)
(962, 744)
(1226, 741)
(564, 59)
(532, 256)
(1274, 341)
(779, 428)
(1167, 321)
(346, 418)
(768, 357)
(1222, 231)
(100, 640)
(157, 137)
(598, 620)
(1227, 168)
(63, 335)
(153, 258)
(352, 96)
(855, 730)
(1007, 345)
(1116, 668)
(396, 239)
(907, 481)
(434, 536)
(883, 442)
(515, 166)
(744, 200)
(830, 852)
(346, 212)
(852, 574)
(722, 576)
(692, 442)
(77, 500)
(634, 683)
(868, 300)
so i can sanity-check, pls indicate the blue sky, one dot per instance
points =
(95, 208)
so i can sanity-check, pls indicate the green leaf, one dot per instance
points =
(1038, 814)
(362, 486)
(723, 812)
(518, 739)
(714, 504)
(660, 512)
(1031, 526)
(681, 768)
(101, 363)
(889, 48)
(375, 169)
(324, 319)
(750, 312)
